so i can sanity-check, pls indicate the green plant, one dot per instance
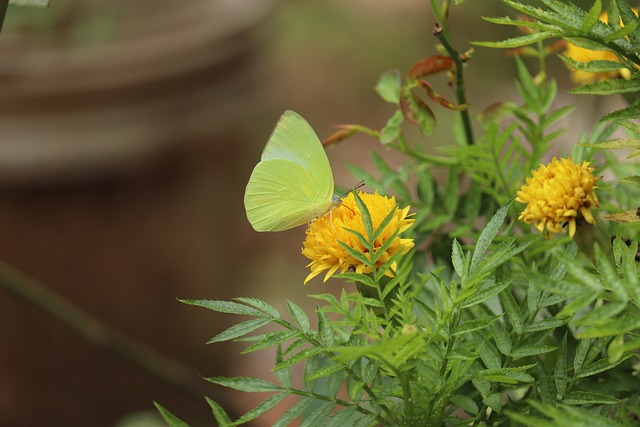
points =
(479, 319)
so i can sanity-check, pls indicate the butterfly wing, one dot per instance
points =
(293, 183)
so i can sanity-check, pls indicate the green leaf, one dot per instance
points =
(388, 86)
(622, 32)
(341, 418)
(607, 87)
(261, 408)
(598, 66)
(489, 292)
(630, 112)
(392, 128)
(633, 180)
(546, 324)
(592, 17)
(324, 328)
(465, 403)
(270, 339)
(518, 41)
(621, 325)
(222, 418)
(417, 111)
(224, 307)
(246, 384)
(299, 316)
(615, 144)
(325, 371)
(588, 398)
(317, 416)
(293, 412)
(511, 307)
(488, 234)
(493, 401)
(298, 357)
(282, 375)
(239, 330)
(581, 354)
(531, 350)
(171, 419)
(599, 366)
(475, 325)
(260, 305)
(507, 375)
(560, 371)
(457, 258)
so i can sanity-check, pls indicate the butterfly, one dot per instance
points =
(292, 184)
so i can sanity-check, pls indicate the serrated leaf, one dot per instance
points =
(475, 325)
(485, 294)
(560, 371)
(518, 41)
(597, 66)
(340, 418)
(457, 258)
(299, 316)
(325, 371)
(599, 366)
(388, 86)
(630, 112)
(592, 17)
(531, 350)
(270, 339)
(246, 384)
(488, 234)
(607, 87)
(581, 354)
(222, 418)
(261, 408)
(614, 144)
(224, 307)
(260, 305)
(546, 324)
(511, 307)
(621, 325)
(507, 375)
(169, 418)
(298, 357)
(465, 403)
(633, 180)
(293, 412)
(239, 330)
(493, 401)
(588, 398)
(324, 328)
(317, 416)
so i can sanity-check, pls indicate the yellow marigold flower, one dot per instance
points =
(321, 243)
(556, 194)
(581, 54)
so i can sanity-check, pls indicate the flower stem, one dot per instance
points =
(4, 4)
(461, 96)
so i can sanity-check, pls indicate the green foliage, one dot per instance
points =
(484, 322)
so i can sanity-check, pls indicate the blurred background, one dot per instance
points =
(128, 130)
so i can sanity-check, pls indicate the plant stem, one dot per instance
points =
(99, 333)
(4, 4)
(460, 88)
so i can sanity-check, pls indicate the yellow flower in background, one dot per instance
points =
(322, 236)
(581, 54)
(557, 194)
